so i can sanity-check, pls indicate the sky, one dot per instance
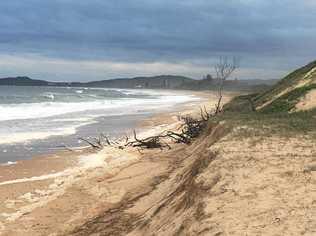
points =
(83, 40)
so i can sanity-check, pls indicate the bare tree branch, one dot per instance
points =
(224, 69)
(93, 145)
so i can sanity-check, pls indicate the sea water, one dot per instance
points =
(40, 120)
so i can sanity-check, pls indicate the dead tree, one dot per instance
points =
(178, 137)
(98, 143)
(189, 130)
(224, 68)
(149, 142)
(205, 115)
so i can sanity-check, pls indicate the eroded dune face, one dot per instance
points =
(221, 185)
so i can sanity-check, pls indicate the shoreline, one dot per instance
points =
(62, 159)
(144, 124)
(23, 138)
(32, 184)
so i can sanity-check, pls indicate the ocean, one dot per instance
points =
(40, 120)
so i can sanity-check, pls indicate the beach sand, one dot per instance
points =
(55, 193)
(221, 184)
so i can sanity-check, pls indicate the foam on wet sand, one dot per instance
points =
(89, 165)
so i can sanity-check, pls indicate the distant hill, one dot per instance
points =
(230, 85)
(296, 91)
(154, 82)
(22, 81)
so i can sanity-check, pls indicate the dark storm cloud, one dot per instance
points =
(159, 30)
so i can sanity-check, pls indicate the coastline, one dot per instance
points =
(223, 183)
(39, 126)
(30, 186)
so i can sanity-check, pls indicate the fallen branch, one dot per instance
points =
(66, 147)
(93, 145)
(98, 143)
(189, 130)
(149, 142)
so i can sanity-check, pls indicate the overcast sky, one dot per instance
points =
(81, 40)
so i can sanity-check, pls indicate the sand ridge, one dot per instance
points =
(222, 185)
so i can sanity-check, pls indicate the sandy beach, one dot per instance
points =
(224, 183)
(157, 118)
(39, 195)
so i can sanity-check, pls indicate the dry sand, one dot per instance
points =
(221, 185)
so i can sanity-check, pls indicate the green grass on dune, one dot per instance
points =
(288, 101)
(275, 121)
(278, 117)
(287, 82)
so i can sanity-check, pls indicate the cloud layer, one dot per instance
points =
(132, 37)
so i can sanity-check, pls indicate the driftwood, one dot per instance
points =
(205, 115)
(192, 128)
(98, 143)
(149, 142)
(189, 130)
(67, 148)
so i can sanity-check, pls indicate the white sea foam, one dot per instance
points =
(47, 109)
(85, 162)
(20, 137)
(49, 95)
(9, 163)
(26, 136)
(74, 119)
(64, 118)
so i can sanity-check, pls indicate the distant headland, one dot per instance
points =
(153, 82)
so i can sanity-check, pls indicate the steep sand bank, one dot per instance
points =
(220, 185)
